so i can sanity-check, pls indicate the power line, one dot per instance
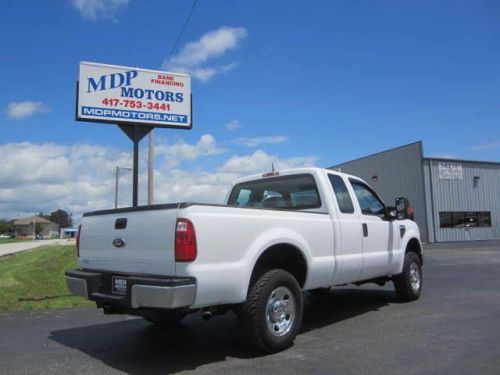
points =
(182, 31)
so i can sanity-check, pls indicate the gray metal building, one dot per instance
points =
(453, 200)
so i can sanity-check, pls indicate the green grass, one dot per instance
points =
(34, 279)
(11, 240)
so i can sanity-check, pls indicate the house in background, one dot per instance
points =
(68, 233)
(27, 227)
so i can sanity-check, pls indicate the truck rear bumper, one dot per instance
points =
(138, 291)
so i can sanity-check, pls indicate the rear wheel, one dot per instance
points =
(165, 318)
(408, 284)
(272, 315)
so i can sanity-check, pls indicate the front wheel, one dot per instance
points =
(408, 283)
(272, 315)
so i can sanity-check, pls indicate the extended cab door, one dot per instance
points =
(378, 233)
(348, 242)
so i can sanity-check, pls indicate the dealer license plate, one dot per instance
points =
(119, 285)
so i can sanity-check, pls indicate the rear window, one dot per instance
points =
(296, 192)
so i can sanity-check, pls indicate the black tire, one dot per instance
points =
(275, 288)
(167, 318)
(405, 285)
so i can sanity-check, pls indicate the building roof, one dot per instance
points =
(462, 160)
(458, 160)
(31, 219)
(378, 153)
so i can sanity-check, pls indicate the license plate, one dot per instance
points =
(119, 285)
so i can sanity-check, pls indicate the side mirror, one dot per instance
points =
(403, 209)
(390, 213)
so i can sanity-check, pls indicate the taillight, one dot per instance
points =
(185, 241)
(78, 240)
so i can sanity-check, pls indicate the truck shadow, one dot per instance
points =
(342, 304)
(136, 347)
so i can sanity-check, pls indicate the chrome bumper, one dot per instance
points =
(142, 291)
(77, 286)
(162, 296)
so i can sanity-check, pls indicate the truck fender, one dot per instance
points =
(268, 239)
(410, 242)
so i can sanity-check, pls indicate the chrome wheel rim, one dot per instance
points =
(280, 311)
(415, 276)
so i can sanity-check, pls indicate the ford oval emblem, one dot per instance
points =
(118, 242)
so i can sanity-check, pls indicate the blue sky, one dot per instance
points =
(302, 82)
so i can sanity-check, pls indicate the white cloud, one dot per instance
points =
(206, 74)
(257, 141)
(233, 125)
(20, 110)
(212, 186)
(99, 9)
(486, 146)
(194, 55)
(44, 177)
(180, 151)
(80, 177)
(261, 161)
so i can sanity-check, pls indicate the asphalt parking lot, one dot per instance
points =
(453, 329)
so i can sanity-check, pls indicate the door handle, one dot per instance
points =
(365, 230)
(121, 223)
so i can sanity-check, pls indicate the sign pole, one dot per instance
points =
(135, 183)
(135, 134)
(151, 156)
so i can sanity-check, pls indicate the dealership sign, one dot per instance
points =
(123, 95)
(450, 171)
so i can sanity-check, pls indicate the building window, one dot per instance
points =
(464, 219)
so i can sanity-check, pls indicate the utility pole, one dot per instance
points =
(34, 226)
(116, 186)
(151, 156)
(117, 175)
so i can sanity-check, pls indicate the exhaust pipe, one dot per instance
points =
(208, 312)
(206, 315)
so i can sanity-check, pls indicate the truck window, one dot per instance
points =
(341, 193)
(243, 197)
(294, 192)
(368, 201)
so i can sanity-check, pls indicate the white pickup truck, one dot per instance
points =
(278, 234)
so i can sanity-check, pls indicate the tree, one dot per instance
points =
(62, 218)
(6, 227)
(41, 214)
(38, 228)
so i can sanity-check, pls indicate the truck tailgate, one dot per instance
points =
(135, 241)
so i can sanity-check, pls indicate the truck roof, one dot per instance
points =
(291, 171)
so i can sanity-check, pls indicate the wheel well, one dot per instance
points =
(414, 246)
(283, 256)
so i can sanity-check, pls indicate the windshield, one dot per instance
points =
(295, 192)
